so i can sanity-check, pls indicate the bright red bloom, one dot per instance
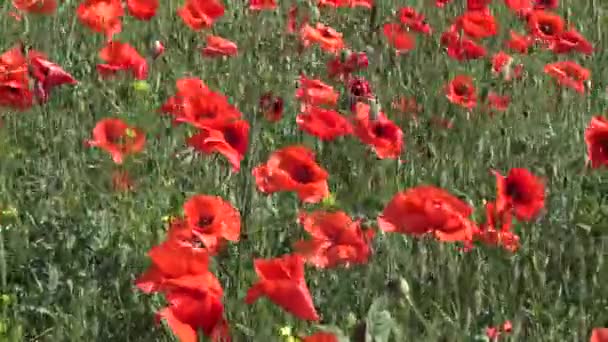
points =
(142, 9)
(272, 107)
(200, 14)
(461, 91)
(342, 66)
(545, 26)
(47, 74)
(230, 139)
(427, 209)
(259, 5)
(519, 43)
(102, 16)
(379, 132)
(218, 46)
(117, 138)
(335, 239)
(571, 40)
(399, 38)
(521, 191)
(569, 74)
(212, 220)
(14, 80)
(415, 21)
(36, 6)
(496, 230)
(596, 138)
(122, 57)
(359, 88)
(293, 168)
(466, 49)
(282, 281)
(599, 335)
(477, 24)
(478, 5)
(520, 7)
(321, 337)
(328, 39)
(316, 93)
(325, 124)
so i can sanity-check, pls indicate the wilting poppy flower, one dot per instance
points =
(218, 46)
(546, 4)
(316, 93)
(271, 107)
(212, 220)
(596, 138)
(102, 16)
(122, 57)
(14, 81)
(282, 281)
(382, 134)
(399, 38)
(569, 74)
(117, 138)
(328, 39)
(599, 335)
(230, 139)
(342, 66)
(521, 191)
(142, 9)
(335, 239)
(498, 102)
(461, 91)
(259, 5)
(415, 21)
(496, 230)
(200, 14)
(545, 26)
(47, 74)
(36, 6)
(359, 88)
(294, 169)
(321, 337)
(477, 24)
(426, 209)
(519, 43)
(571, 40)
(325, 124)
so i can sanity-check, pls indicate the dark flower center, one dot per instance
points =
(231, 136)
(461, 89)
(514, 192)
(204, 220)
(546, 28)
(303, 174)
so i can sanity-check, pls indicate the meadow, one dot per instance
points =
(440, 249)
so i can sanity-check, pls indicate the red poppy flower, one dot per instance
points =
(461, 91)
(282, 281)
(478, 5)
(361, 3)
(519, 43)
(47, 74)
(343, 66)
(571, 40)
(325, 124)
(316, 93)
(102, 16)
(520, 7)
(157, 49)
(477, 24)
(212, 220)
(359, 89)
(218, 46)
(599, 335)
(229, 139)
(142, 9)
(328, 39)
(399, 38)
(546, 4)
(569, 74)
(465, 49)
(496, 230)
(596, 138)
(200, 14)
(122, 57)
(259, 5)
(36, 6)
(498, 102)
(272, 107)
(426, 209)
(521, 191)
(336, 240)
(442, 3)
(14, 81)
(321, 337)
(415, 21)
(117, 138)
(382, 134)
(293, 168)
(545, 26)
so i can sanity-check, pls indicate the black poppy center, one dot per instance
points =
(513, 191)
(204, 220)
(461, 89)
(546, 28)
(303, 174)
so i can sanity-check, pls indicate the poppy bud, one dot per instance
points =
(157, 49)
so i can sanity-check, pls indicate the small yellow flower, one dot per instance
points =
(141, 86)
(130, 133)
